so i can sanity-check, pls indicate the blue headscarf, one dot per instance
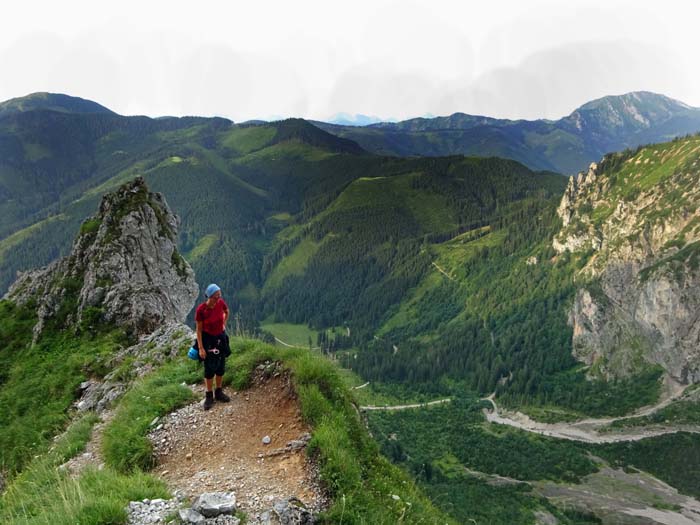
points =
(211, 290)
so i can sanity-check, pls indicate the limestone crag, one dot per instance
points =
(124, 268)
(634, 221)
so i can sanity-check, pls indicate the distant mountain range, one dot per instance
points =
(566, 145)
(346, 119)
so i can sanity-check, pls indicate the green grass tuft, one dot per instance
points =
(43, 494)
(125, 445)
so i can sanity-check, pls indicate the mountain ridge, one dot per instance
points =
(51, 101)
(566, 145)
(112, 343)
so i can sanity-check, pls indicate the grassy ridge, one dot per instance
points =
(38, 384)
(359, 479)
(125, 445)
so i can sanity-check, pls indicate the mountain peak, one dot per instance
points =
(634, 110)
(53, 102)
(296, 129)
(124, 268)
(637, 98)
(358, 119)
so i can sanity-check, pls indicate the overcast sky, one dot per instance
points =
(385, 58)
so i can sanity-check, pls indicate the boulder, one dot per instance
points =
(212, 504)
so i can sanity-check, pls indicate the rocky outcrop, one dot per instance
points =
(630, 323)
(579, 236)
(124, 268)
(166, 343)
(634, 221)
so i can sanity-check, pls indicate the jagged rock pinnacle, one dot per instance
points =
(124, 268)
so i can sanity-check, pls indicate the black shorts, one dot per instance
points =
(218, 350)
(214, 365)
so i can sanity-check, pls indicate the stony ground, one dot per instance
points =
(222, 449)
(625, 498)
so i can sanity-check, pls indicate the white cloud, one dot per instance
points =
(315, 58)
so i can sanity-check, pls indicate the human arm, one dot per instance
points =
(202, 351)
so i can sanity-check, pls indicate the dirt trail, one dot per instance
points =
(404, 407)
(588, 430)
(442, 271)
(92, 455)
(222, 449)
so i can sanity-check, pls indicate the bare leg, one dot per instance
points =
(219, 393)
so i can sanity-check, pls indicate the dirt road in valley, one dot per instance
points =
(405, 407)
(588, 430)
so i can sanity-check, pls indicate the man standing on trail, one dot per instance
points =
(212, 341)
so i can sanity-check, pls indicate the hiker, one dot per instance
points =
(213, 344)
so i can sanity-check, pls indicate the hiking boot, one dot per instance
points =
(220, 396)
(209, 401)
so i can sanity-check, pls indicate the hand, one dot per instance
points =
(202, 353)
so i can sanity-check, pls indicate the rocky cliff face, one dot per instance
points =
(635, 221)
(124, 268)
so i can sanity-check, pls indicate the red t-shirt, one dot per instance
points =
(212, 318)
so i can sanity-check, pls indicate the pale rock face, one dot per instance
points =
(632, 323)
(124, 267)
(644, 306)
(566, 207)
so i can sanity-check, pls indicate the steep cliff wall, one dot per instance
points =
(635, 220)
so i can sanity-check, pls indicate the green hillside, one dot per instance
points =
(375, 241)
(53, 102)
(57, 164)
(231, 185)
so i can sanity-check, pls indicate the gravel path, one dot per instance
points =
(222, 449)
